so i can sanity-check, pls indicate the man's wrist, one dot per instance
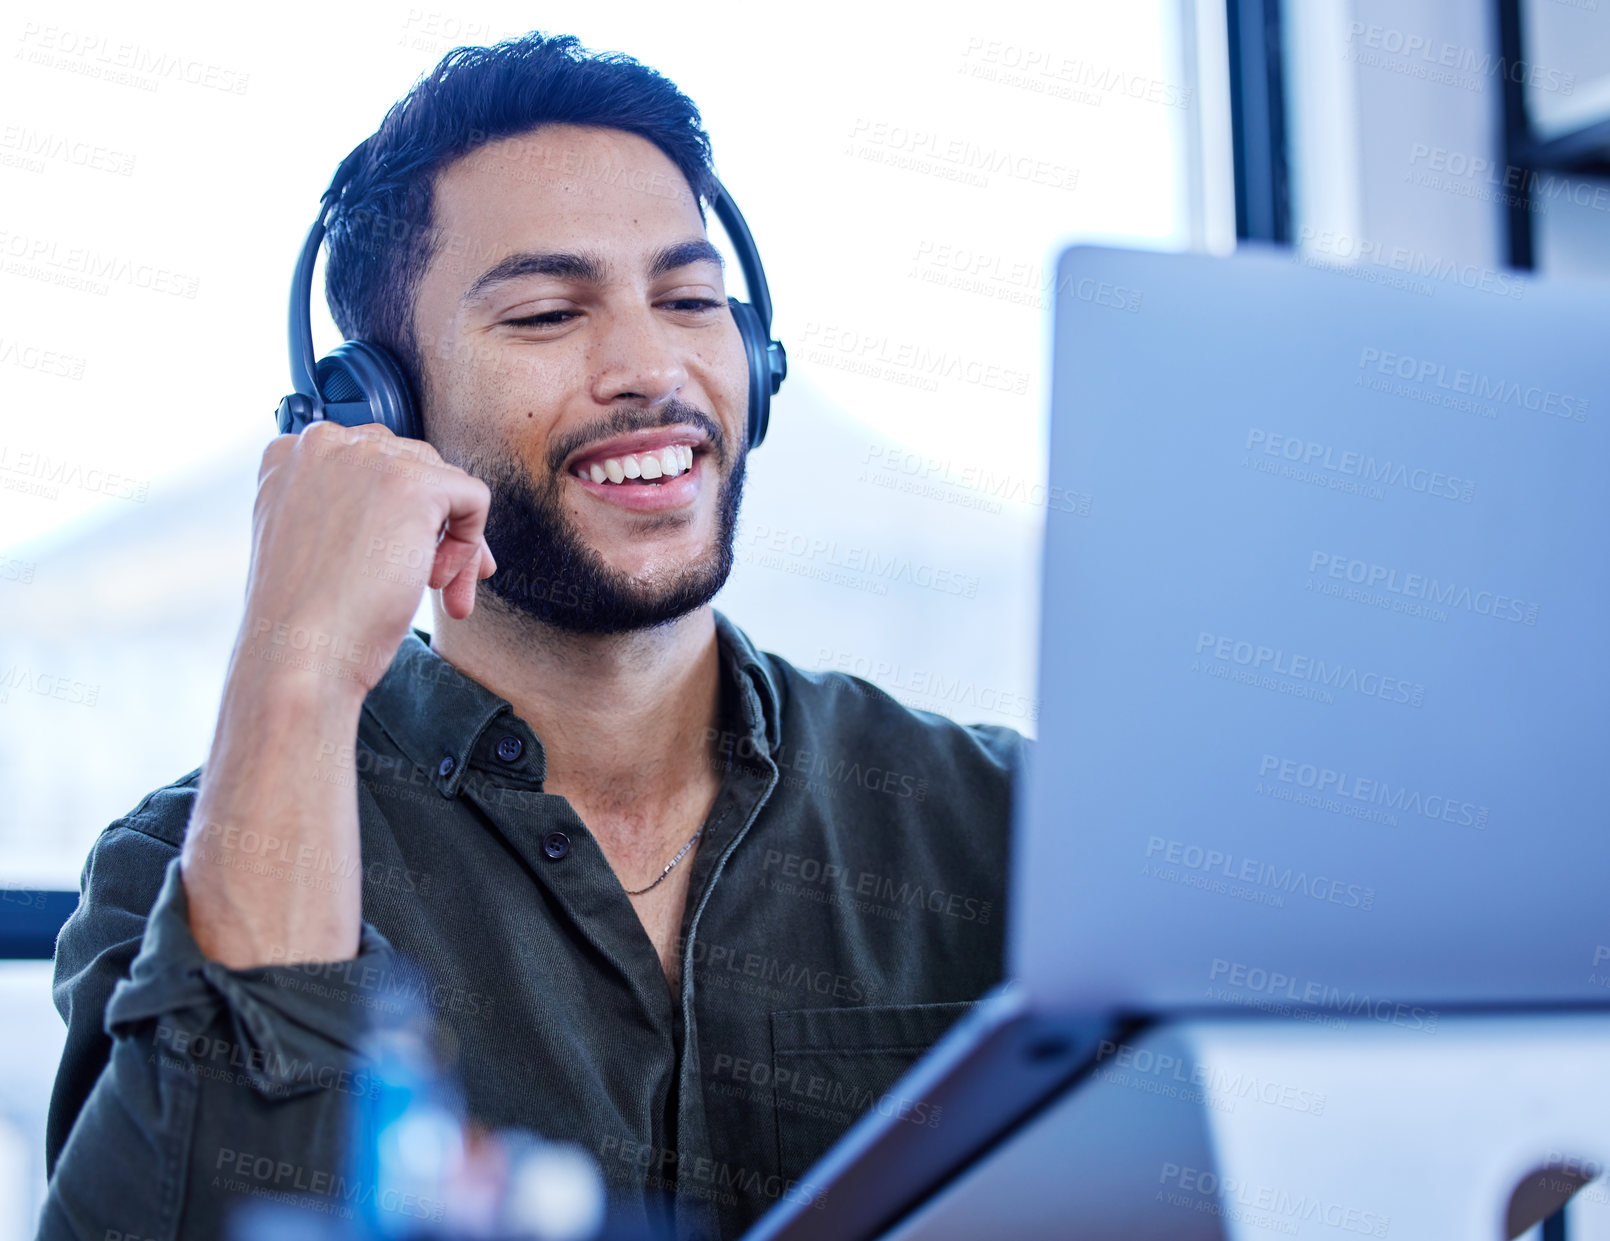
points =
(313, 654)
(306, 685)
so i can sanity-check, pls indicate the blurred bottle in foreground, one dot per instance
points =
(419, 1171)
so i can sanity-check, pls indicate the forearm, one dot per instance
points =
(271, 860)
(321, 628)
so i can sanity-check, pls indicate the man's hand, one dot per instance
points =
(350, 526)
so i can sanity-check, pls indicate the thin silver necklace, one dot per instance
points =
(669, 866)
(683, 852)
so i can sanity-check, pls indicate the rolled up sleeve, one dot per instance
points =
(186, 1086)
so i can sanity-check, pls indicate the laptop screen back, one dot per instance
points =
(1325, 659)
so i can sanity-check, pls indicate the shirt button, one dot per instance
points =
(556, 845)
(509, 749)
(446, 769)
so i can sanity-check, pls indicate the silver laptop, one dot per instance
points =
(1324, 680)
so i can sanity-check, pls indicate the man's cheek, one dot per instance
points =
(728, 371)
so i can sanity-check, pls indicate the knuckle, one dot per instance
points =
(275, 455)
(459, 474)
(412, 450)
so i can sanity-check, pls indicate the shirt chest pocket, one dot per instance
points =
(832, 1065)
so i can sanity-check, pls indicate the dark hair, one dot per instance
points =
(382, 236)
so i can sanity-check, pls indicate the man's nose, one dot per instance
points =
(637, 359)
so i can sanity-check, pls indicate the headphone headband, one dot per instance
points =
(360, 382)
(737, 230)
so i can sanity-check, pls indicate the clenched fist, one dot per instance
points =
(350, 526)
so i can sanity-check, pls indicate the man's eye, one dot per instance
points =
(695, 303)
(551, 318)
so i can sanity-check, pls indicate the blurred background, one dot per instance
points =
(909, 182)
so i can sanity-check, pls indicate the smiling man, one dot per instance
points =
(667, 896)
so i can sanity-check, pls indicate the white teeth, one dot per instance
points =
(668, 462)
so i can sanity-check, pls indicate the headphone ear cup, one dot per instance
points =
(362, 383)
(755, 341)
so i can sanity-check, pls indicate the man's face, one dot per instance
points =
(574, 316)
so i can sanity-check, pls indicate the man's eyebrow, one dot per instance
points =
(585, 268)
(684, 254)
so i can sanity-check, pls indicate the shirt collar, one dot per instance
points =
(760, 690)
(436, 714)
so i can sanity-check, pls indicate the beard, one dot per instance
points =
(546, 572)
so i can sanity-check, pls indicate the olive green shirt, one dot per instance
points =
(844, 908)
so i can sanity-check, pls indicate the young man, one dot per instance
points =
(670, 897)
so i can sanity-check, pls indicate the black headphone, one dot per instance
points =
(358, 382)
